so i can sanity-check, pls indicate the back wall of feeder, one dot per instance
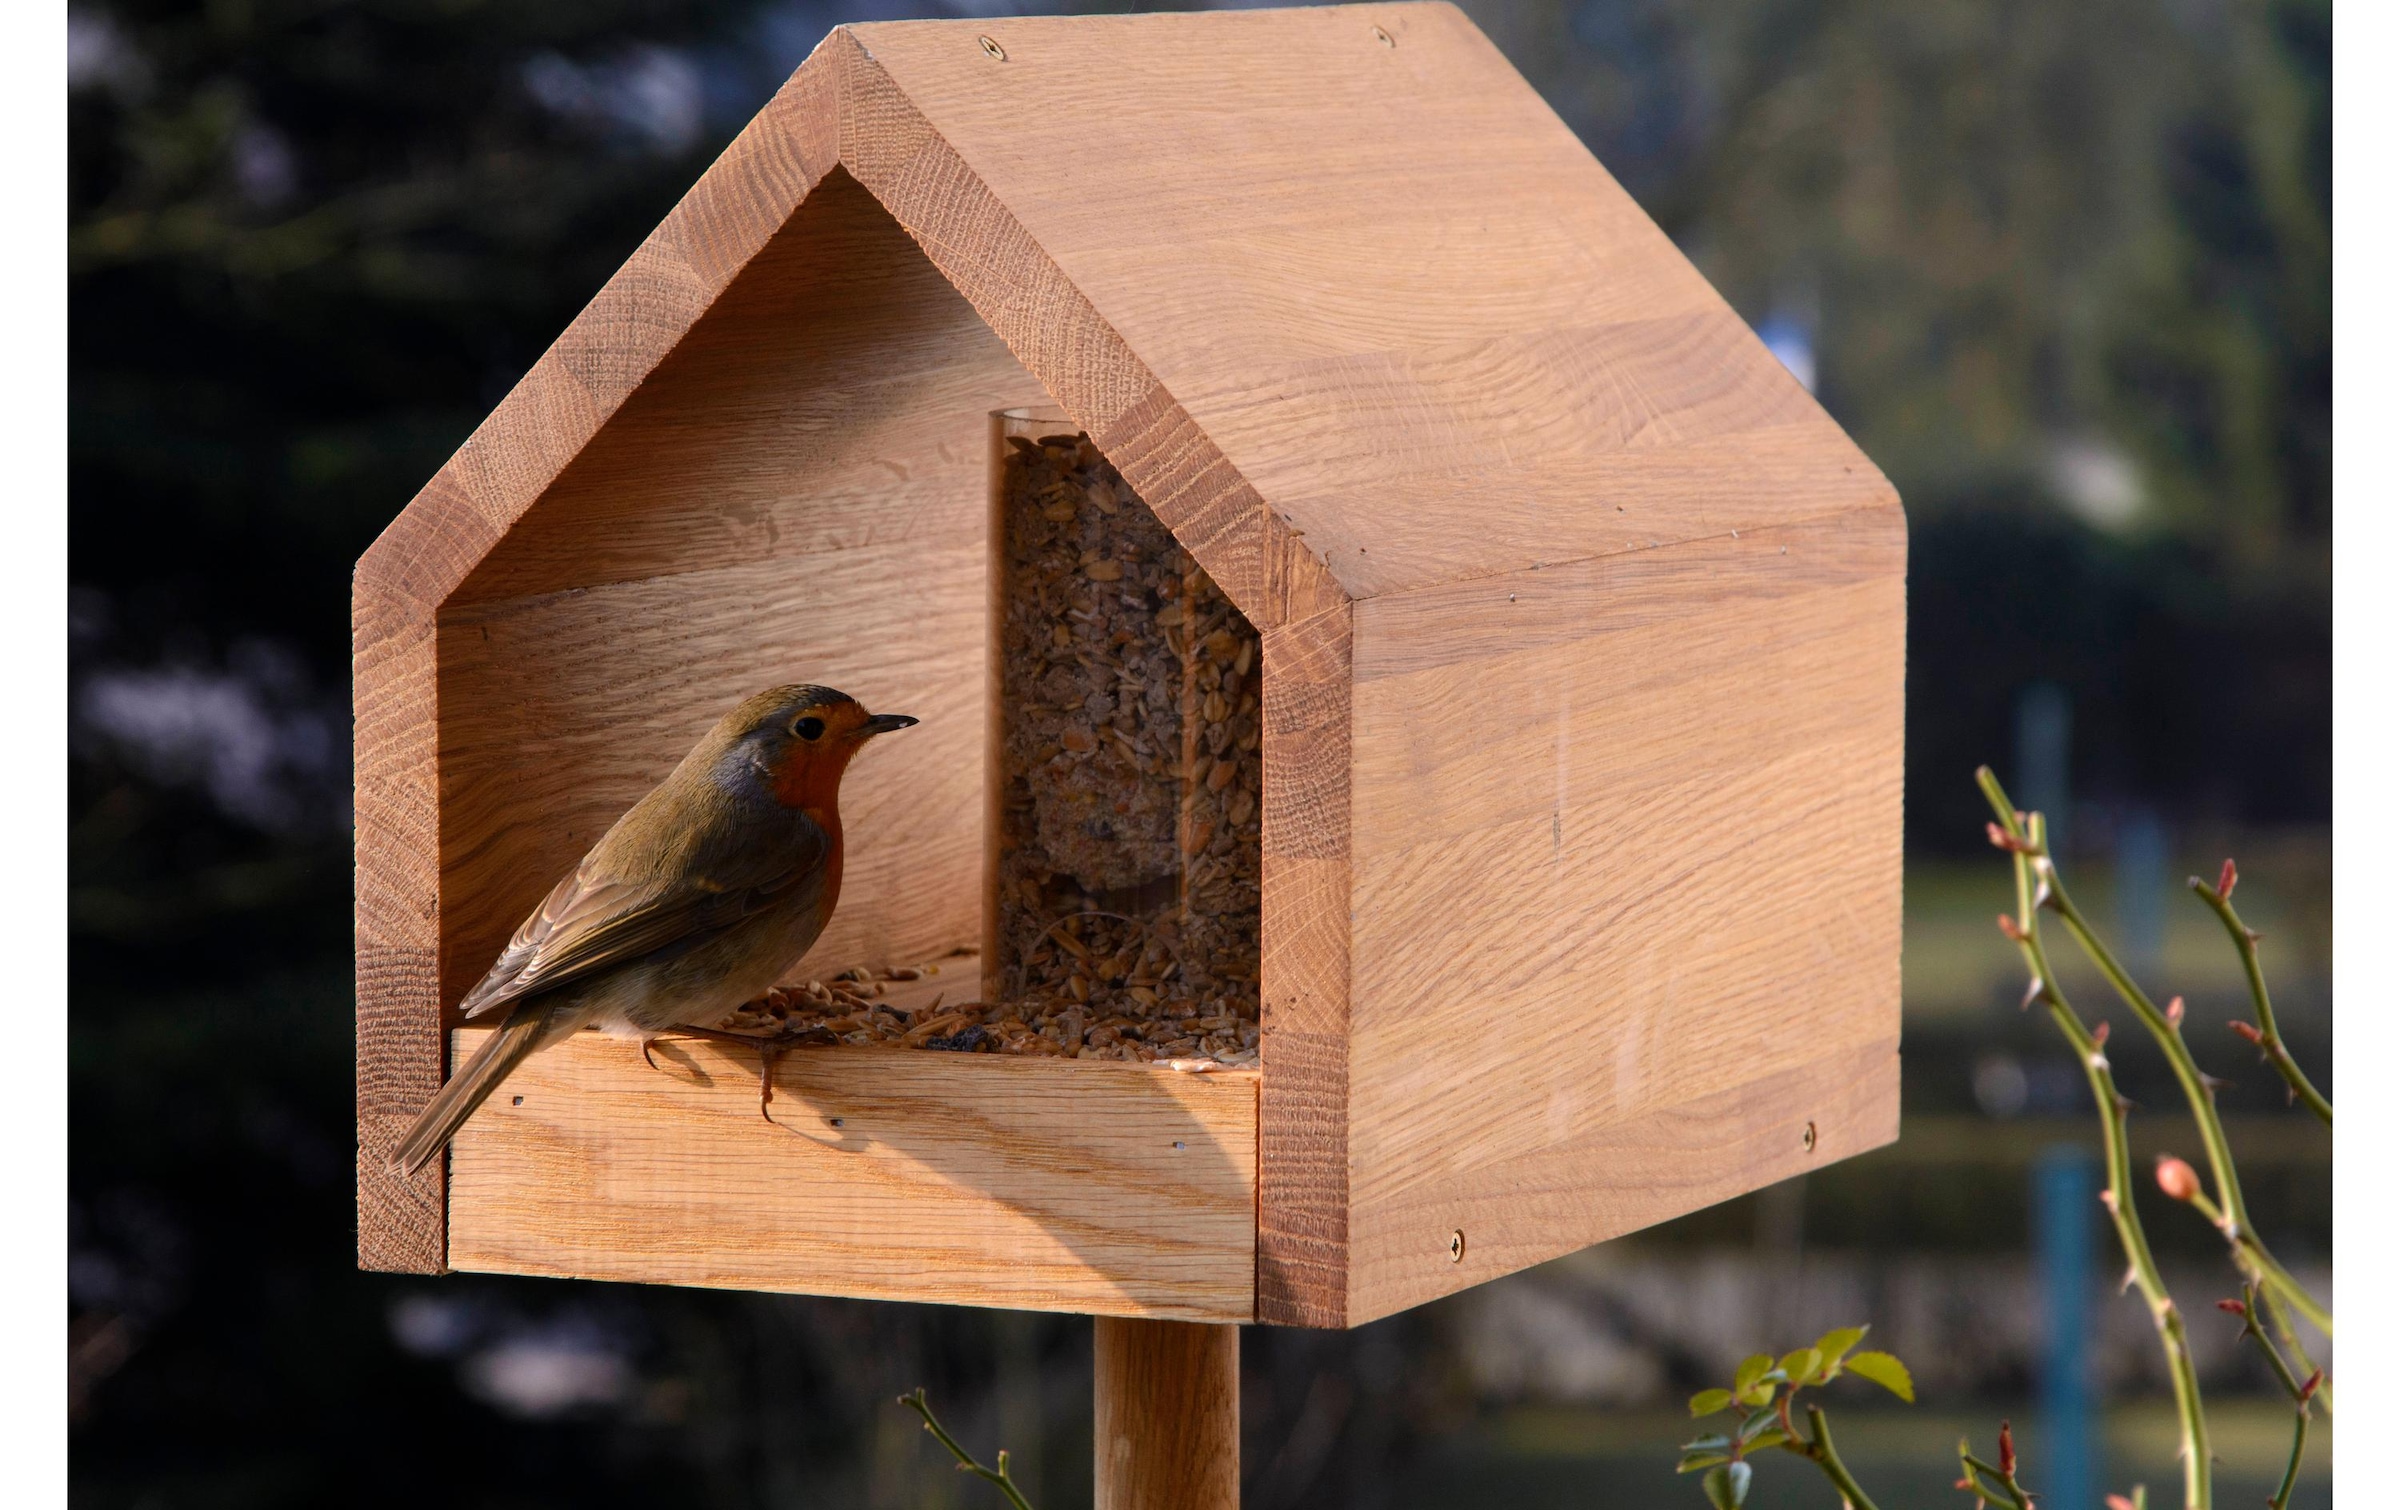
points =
(1581, 633)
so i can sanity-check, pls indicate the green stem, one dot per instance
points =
(1819, 1450)
(2299, 1393)
(2026, 836)
(966, 1461)
(2250, 1253)
(2291, 1470)
(2270, 1041)
(1977, 1469)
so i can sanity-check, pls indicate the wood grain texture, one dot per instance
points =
(1581, 622)
(1626, 853)
(1166, 1415)
(966, 1178)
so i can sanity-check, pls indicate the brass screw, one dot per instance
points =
(1808, 1137)
(1458, 1246)
(993, 50)
(833, 1121)
(1384, 37)
(516, 1100)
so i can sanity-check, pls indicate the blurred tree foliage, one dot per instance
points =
(2061, 265)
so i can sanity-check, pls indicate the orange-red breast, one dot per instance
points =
(692, 904)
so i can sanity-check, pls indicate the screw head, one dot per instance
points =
(992, 49)
(1458, 1246)
(833, 1121)
(1808, 1137)
(516, 1100)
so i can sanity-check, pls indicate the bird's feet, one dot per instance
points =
(769, 1051)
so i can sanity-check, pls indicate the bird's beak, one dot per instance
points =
(884, 723)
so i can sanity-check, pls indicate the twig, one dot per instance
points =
(1819, 1450)
(2264, 1036)
(1974, 1472)
(998, 1478)
(2303, 1393)
(2250, 1253)
(2023, 836)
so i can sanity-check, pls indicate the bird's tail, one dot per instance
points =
(456, 1101)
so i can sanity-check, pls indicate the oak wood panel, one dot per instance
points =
(1304, 971)
(559, 712)
(1721, 1141)
(832, 397)
(972, 1179)
(397, 929)
(1166, 1415)
(1623, 847)
(1357, 266)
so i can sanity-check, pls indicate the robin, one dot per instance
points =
(692, 904)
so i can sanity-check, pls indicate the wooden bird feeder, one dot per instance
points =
(1578, 696)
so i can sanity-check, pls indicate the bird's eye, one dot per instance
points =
(810, 728)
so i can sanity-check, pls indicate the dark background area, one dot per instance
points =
(2062, 266)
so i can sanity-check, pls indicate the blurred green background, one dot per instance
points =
(2062, 266)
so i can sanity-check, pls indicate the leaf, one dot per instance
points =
(1727, 1486)
(1837, 1342)
(1704, 1452)
(1773, 1436)
(1709, 1401)
(1753, 1369)
(1801, 1364)
(1886, 1370)
(1764, 1390)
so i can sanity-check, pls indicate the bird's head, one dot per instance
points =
(798, 740)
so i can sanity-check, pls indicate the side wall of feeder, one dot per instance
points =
(1626, 881)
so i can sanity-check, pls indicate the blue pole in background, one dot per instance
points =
(2066, 1190)
(2045, 729)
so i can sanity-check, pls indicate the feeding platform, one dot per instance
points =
(1555, 893)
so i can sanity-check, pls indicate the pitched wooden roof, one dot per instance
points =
(1334, 287)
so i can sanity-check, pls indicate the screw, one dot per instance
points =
(1458, 1246)
(1179, 1145)
(516, 1100)
(1808, 1137)
(993, 50)
(833, 1121)
(1383, 36)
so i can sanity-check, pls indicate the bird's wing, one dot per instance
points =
(592, 921)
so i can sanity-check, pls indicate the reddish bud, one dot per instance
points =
(2009, 928)
(2108, 1198)
(2176, 1178)
(2233, 1308)
(2308, 1391)
(2008, 1453)
(2100, 1033)
(2249, 1032)
(2175, 1012)
(2225, 880)
(2119, 1502)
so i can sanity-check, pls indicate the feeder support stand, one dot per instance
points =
(1166, 1415)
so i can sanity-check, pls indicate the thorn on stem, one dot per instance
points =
(2308, 1391)
(2248, 1032)
(2108, 1198)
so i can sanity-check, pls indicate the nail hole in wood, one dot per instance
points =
(1808, 1137)
(1384, 37)
(1458, 1246)
(992, 49)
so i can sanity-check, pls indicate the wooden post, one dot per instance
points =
(1166, 1415)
